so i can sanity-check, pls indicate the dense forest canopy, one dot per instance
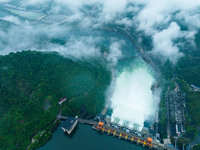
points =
(32, 83)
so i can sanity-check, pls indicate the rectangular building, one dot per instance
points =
(69, 124)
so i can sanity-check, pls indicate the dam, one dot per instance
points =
(146, 140)
(142, 140)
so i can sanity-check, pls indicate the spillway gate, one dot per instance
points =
(130, 137)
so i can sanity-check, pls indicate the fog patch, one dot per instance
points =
(163, 42)
(114, 53)
(82, 48)
(12, 19)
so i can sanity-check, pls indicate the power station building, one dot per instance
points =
(69, 124)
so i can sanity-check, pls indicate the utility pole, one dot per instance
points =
(176, 138)
(175, 141)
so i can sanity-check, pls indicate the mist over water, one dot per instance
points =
(133, 101)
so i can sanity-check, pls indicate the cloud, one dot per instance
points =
(154, 18)
(161, 20)
(190, 18)
(35, 3)
(163, 42)
(36, 37)
(125, 21)
(114, 52)
(12, 19)
(5, 1)
(82, 48)
(111, 8)
(40, 39)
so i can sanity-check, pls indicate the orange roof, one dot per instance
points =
(100, 123)
(150, 140)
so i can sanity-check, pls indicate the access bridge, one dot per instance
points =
(82, 121)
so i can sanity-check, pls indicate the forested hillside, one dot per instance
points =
(185, 72)
(32, 83)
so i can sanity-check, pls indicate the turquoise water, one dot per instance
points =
(85, 138)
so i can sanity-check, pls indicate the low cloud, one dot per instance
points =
(157, 19)
(163, 42)
(161, 20)
(125, 21)
(12, 19)
(114, 52)
(82, 48)
(5, 1)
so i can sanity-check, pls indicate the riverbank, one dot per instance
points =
(43, 136)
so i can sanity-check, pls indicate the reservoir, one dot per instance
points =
(85, 138)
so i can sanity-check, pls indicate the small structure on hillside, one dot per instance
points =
(62, 100)
(69, 124)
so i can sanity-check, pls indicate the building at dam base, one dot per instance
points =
(69, 124)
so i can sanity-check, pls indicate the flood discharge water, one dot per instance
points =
(133, 101)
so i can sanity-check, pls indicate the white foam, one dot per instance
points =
(133, 100)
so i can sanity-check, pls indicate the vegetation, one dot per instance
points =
(193, 106)
(186, 72)
(168, 70)
(32, 83)
(197, 147)
(189, 69)
(42, 137)
(162, 113)
(190, 134)
(102, 48)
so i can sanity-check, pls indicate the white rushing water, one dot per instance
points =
(133, 101)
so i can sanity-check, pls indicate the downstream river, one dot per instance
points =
(85, 138)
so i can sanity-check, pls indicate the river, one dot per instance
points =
(85, 138)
